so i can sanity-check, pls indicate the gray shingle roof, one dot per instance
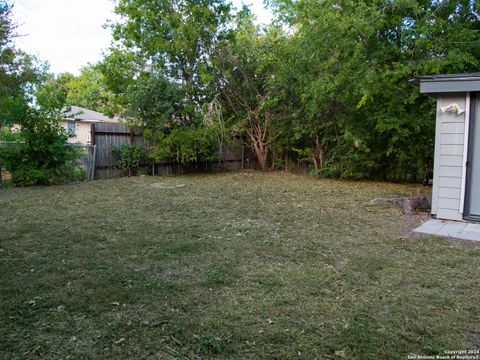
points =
(82, 114)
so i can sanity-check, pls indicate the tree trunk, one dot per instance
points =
(426, 174)
(257, 137)
(318, 155)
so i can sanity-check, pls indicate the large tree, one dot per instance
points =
(329, 85)
(19, 72)
(88, 90)
(352, 61)
(175, 39)
(37, 152)
(53, 91)
(161, 69)
(248, 86)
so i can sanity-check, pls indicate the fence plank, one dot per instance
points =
(112, 128)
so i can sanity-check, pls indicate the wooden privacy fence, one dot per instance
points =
(108, 137)
(87, 160)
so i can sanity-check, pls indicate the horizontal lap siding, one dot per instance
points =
(450, 160)
(448, 204)
(453, 128)
(449, 182)
(449, 145)
(448, 149)
(451, 171)
(449, 193)
(452, 139)
(449, 214)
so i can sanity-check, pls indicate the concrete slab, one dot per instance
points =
(472, 227)
(430, 227)
(454, 229)
(467, 235)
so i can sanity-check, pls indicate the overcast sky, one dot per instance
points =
(69, 33)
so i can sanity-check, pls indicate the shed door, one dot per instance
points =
(472, 203)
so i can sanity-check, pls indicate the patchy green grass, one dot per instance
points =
(237, 265)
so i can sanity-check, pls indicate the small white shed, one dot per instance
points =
(456, 173)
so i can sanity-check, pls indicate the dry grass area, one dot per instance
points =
(237, 265)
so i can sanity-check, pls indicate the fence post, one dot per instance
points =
(92, 134)
(243, 155)
(1, 175)
(94, 143)
(94, 163)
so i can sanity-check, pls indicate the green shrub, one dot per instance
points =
(130, 156)
(39, 153)
(187, 145)
(79, 174)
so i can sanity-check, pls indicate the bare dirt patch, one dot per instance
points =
(166, 185)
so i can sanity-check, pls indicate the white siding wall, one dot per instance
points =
(448, 162)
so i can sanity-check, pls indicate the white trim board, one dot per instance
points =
(465, 152)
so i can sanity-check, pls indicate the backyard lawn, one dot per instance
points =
(236, 265)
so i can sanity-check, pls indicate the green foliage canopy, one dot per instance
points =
(177, 39)
(37, 151)
(19, 72)
(88, 90)
(325, 84)
(352, 61)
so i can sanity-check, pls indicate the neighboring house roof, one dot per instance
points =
(86, 115)
(446, 83)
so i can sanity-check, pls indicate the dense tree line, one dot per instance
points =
(324, 86)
